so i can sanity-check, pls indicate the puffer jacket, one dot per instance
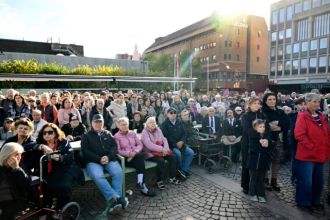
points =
(313, 140)
(127, 143)
(149, 140)
(117, 109)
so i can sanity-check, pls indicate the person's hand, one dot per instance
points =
(279, 107)
(13, 162)
(46, 149)
(179, 145)
(23, 114)
(231, 138)
(164, 151)
(274, 127)
(70, 138)
(105, 128)
(274, 123)
(104, 160)
(114, 116)
(264, 142)
(55, 157)
(132, 154)
(194, 123)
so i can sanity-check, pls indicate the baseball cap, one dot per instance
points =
(9, 119)
(73, 117)
(97, 117)
(187, 107)
(171, 110)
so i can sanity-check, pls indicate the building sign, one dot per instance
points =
(308, 86)
(240, 25)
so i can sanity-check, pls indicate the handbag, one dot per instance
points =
(160, 154)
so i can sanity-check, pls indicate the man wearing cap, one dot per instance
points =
(38, 122)
(238, 113)
(99, 149)
(176, 136)
(74, 129)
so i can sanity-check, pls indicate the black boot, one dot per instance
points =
(267, 186)
(275, 185)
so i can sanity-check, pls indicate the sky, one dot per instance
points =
(108, 27)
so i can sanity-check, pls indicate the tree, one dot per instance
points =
(151, 58)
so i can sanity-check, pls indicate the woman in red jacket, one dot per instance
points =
(312, 133)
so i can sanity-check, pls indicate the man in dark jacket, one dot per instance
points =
(99, 149)
(211, 125)
(74, 129)
(100, 109)
(5, 103)
(189, 129)
(133, 106)
(107, 102)
(176, 137)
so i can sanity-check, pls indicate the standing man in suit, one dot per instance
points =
(211, 125)
(283, 102)
(232, 129)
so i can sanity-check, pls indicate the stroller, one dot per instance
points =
(211, 150)
(70, 211)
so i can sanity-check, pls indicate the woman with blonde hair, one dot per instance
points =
(177, 104)
(14, 181)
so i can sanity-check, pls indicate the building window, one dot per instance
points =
(272, 69)
(259, 34)
(229, 43)
(237, 57)
(306, 5)
(204, 47)
(226, 44)
(312, 65)
(207, 58)
(280, 51)
(214, 44)
(322, 64)
(287, 68)
(288, 51)
(289, 13)
(225, 56)
(297, 8)
(237, 44)
(313, 45)
(257, 59)
(273, 52)
(302, 29)
(214, 57)
(295, 64)
(279, 68)
(229, 56)
(281, 15)
(258, 47)
(280, 35)
(304, 46)
(201, 47)
(323, 45)
(325, 2)
(274, 36)
(316, 3)
(274, 20)
(303, 66)
(288, 33)
(296, 48)
(237, 31)
(321, 25)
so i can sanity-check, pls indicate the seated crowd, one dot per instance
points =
(153, 127)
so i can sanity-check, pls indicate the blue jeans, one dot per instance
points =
(96, 172)
(310, 182)
(189, 154)
(294, 164)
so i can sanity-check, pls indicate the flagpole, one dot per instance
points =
(174, 73)
(208, 80)
(190, 78)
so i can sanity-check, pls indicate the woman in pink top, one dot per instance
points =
(130, 147)
(153, 139)
(67, 108)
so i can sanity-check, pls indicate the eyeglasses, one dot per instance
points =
(173, 113)
(133, 97)
(238, 110)
(32, 101)
(48, 132)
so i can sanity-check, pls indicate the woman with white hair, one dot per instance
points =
(177, 104)
(205, 101)
(14, 181)
(117, 109)
(156, 149)
(130, 147)
(86, 110)
(218, 102)
(202, 114)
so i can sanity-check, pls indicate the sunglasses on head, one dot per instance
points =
(173, 113)
(259, 121)
(48, 132)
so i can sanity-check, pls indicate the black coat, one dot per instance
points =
(235, 130)
(19, 180)
(133, 125)
(173, 133)
(293, 119)
(3, 115)
(206, 122)
(129, 110)
(199, 118)
(94, 147)
(106, 117)
(286, 103)
(282, 118)
(76, 133)
(258, 156)
(66, 160)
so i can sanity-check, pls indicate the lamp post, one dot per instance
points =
(208, 78)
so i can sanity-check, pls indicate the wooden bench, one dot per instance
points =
(148, 165)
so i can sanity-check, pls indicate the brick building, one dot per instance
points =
(234, 48)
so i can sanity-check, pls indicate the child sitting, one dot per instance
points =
(258, 162)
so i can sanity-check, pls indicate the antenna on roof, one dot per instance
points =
(49, 40)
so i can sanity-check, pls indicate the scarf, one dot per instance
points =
(50, 162)
(178, 103)
(195, 110)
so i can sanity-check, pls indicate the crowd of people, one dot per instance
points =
(158, 127)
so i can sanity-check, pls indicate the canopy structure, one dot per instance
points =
(86, 78)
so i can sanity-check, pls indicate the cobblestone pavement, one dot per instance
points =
(196, 198)
(288, 191)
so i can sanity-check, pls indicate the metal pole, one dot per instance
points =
(174, 74)
(208, 80)
(191, 82)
